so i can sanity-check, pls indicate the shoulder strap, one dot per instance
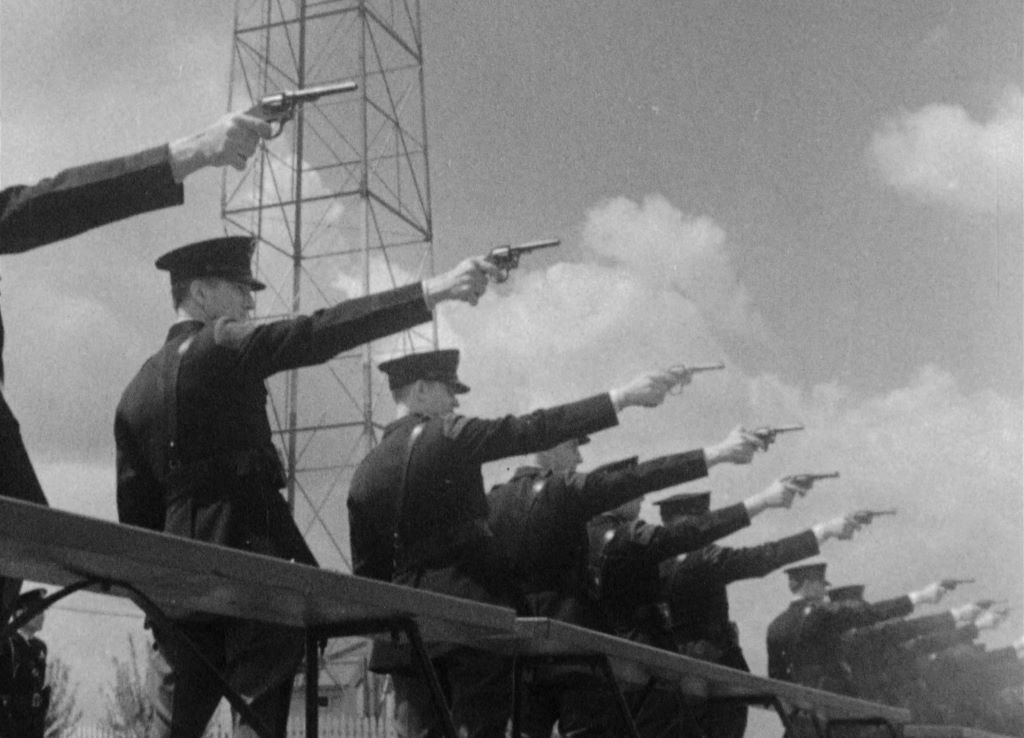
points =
(167, 388)
(403, 495)
(536, 489)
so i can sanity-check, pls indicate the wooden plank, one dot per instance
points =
(947, 731)
(184, 576)
(635, 663)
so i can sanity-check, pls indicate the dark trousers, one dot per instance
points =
(477, 686)
(719, 720)
(662, 712)
(257, 659)
(579, 703)
(18, 480)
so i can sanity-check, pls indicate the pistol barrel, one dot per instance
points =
(534, 245)
(705, 367)
(283, 102)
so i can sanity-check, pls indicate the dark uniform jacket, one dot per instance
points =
(443, 542)
(694, 586)
(24, 696)
(940, 639)
(70, 203)
(966, 685)
(624, 566)
(539, 520)
(878, 663)
(220, 480)
(804, 642)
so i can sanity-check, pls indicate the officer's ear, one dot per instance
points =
(197, 291)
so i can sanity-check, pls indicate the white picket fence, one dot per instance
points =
(344, 726)
(335, 726)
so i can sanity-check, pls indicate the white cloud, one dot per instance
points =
(687, 255)
(938, 154)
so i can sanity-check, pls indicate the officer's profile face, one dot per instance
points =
(564, 458)
(228, 299)
(815, 589)
(210, 298)
(435, 399)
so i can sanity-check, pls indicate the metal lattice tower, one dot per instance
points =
(340, 204)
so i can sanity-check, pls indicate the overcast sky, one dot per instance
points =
(827, 196)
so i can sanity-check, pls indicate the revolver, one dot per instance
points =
(682, 371)
(952, 584)
(281, 106)
(864, 517)
(506, 258)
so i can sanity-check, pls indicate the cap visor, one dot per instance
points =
(459, 388)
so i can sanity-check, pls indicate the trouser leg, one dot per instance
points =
(588, 709)
(415, 713)
(262, 661)
(662, 714)
(540, 704)
(182, 695)
(481, 688)
(257, 660)
(272, 709)
(724, 720)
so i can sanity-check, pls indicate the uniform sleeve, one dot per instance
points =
(599, 491)
(695, 532)
(940, 640)
(719, 566)
(894, 632)
(81, 198)
(266, 349)
(477, 441)
(897, 607)
(843, 616)
(139, 497)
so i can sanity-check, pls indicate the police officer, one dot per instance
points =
(874, 655)
(195, 456)
(539, 520)
(84, 197)
(694, 587)
(804, 642)
(625, 557)
(24, 695)
(418, 514)
(968, 685)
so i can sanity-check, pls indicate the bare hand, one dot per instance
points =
(646, 390)
(467, 282)
(987, 619)
(779, 493)
(683, 377)
(841, 528)
(228, 142)
(931, 594)
(737, 448)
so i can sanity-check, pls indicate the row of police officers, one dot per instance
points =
(195, 458)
